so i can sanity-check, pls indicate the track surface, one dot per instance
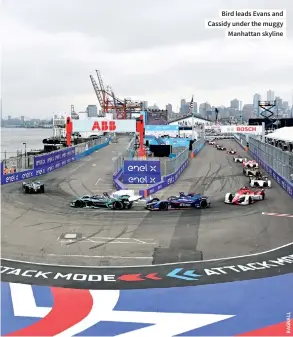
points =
(32, 224)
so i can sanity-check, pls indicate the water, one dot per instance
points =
(13, 139)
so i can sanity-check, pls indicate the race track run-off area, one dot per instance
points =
(227, 270)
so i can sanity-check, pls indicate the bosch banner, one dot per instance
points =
(104, 125)
(248, 129)
(54, 157)
(142, 171)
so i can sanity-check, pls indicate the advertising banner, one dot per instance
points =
(54, 157)
(160, 130)
(246, 129)
(141, 171)
(19, 176)
(177, 142)
(104, 125)
(157, 117)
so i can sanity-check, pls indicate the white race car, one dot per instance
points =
(250, 164)
(211, 142)
(262, 181)
(130, 193)
(239, 159)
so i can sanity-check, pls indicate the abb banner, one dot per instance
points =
(104, 125)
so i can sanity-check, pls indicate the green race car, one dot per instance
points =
(103, 201)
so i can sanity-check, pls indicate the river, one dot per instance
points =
(13, 139)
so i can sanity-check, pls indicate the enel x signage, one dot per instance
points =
(141, 172)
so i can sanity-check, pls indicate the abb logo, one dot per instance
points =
(245, 128)
(104, 126)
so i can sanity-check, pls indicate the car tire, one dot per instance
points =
(203, 203)
(256, 184)
(163, 206)
(265, 184)
(42, 189)
(263, 196)
(89, 204)
(118, 206)
(26, 189)
(249, 201)
(79, 204)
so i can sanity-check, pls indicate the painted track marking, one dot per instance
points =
(284, 215)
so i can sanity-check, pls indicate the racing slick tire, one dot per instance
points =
(117, 206)
(230, 197)
(163, 206)
(89, 204)
(79, 204)
(204, 204)
(249, 201)
(42, 189)
(263, 195)
(265, 184)
(255, 184)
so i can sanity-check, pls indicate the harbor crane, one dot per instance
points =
(110, 103)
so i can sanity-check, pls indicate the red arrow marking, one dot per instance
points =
(153, 276)
(131, 277)
(280, 329)
(70, 307)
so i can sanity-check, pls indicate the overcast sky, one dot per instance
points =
(154, 50)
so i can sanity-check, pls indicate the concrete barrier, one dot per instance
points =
(91, 150)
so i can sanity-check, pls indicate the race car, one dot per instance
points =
(261, 181)
(231, 151)
(221, 148)
(212, 142)
(244, 196)
(181, 202)
(250, 163)
(252, 172)
(103, 201)
(33, 187)
(239, 159)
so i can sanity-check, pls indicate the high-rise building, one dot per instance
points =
(22, 119)
(270, 95)
(92, 111)
(234, 104)
(145, 105)
(169, 108)
(204, 108)
(256, 99)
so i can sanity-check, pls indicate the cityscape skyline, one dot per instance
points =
(156, 61)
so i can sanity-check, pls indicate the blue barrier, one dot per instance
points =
(48, 163)
(117, 181)
(91, 150)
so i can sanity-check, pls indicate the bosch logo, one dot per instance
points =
(104, 126)
(246, 128)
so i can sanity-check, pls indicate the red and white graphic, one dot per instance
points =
(104, 126)
(284, 215)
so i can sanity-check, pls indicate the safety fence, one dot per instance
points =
(171, 171)
(277, 163)
(48, 162)
(127, 154)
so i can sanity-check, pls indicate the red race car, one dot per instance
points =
(244, 196)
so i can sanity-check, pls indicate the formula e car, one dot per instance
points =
(261, 181)
(239, 159)
(221, 148)
(33, 187)
(244, 196)
(231, 151)
(212, 142)
(250, 164)
(252, 172)
(181, 202)
(103, 201)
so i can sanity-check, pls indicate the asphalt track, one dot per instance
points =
(33, 225)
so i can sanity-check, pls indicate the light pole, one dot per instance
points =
(24, 154)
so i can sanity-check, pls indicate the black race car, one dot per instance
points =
(33, 187)
(252, 172)
(231, 151)
(221, 148)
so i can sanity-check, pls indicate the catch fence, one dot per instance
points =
(22, 161)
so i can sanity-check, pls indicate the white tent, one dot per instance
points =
(285, 134)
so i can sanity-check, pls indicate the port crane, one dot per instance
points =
(110, 103)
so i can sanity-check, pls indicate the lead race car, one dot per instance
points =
(117, 201)
(244, 196)
(183, 201)
(33, 187)
(250, 164)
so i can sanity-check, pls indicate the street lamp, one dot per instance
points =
(24, 154)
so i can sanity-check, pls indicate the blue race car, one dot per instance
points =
(182, 201)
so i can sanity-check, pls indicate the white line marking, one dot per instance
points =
(98, 181)
(147, 265)
(76, 168)
(94, 164)
(112, 242)
(284, 215)
(102, 256)
(143, 242)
